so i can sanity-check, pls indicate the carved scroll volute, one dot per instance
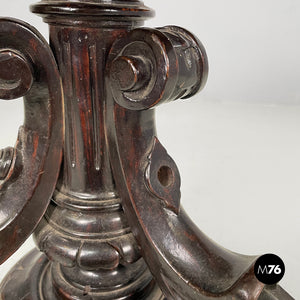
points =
(154, 66)
(28, 172)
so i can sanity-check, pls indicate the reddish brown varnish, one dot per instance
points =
(93, 182)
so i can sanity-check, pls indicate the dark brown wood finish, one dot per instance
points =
(29, 171)
(114, 228)
(185, 263)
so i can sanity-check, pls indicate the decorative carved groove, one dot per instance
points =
(95, 89)
(85, 148)
(68, 82)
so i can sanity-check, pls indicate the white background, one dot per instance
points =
(237, 143)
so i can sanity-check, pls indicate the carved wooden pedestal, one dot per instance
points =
(114, 228)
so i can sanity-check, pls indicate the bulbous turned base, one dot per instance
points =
(35, 278)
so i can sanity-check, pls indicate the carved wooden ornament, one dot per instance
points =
(29, 171)
(114, 228)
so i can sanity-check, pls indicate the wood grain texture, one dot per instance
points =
(29, 171)
(115, 228)
(185, 262)
(84, 232)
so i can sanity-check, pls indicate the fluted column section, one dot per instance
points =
(85, 233)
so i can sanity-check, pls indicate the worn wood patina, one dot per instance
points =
(88, 174)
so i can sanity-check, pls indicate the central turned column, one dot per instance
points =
(85, 233)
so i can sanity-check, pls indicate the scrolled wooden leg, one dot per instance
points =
(29, 171)
(185, 262)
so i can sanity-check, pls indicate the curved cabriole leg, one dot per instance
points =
(148, 67)
(29, 171)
